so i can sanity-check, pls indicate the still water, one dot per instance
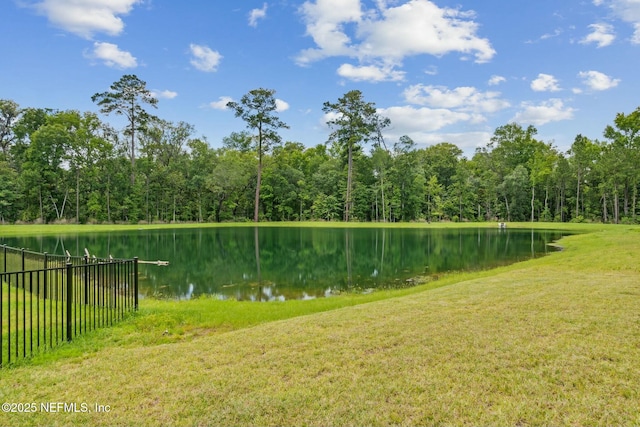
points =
(280, 263)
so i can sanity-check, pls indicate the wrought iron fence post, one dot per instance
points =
(86, 280)
(135, 283)
(46, 265)
(69, 298)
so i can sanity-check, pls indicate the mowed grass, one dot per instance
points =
(551, 341)
(62, 229)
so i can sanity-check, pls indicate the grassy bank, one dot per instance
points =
(38, 229)
(551, 341)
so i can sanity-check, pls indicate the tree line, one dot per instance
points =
(68, 166)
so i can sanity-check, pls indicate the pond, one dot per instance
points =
(280, 263)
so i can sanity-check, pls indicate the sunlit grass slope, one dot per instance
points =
(552, 341)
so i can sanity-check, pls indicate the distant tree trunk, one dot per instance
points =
(625, 206)
(133, 144)
(402, 197)
(41, 207)
(108, 199)
(384, 217)
(533, 198)
(562, 203)
(221, 200)
(375, 208)
(77, 197)
(256, 208)
(634, 199)
(578, 195)
(348, 201)
(506, 202)
(147, 201)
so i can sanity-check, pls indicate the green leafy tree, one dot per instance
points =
(433, 192)
(381, 160)
(201, 160)
(164, 166)
(541, 166)
(624, 138)
(43, 175)
(287, 183)
(513, 189)
(240, 141)
(463, 191)
(126, 98)
(258, 109)
(229, 177)
(326, 181)
(561, 177)
(30, 121)
(9, 193)
(408, 180)
(9, 114)
(511, 146)
(441, 160)
(354, 122)
(584, 153)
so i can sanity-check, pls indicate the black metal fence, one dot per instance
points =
(49, 299)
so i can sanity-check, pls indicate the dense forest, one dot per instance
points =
(68, 166)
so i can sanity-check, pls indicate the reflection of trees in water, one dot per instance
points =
(253, 263)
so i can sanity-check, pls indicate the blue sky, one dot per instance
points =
(440, 70)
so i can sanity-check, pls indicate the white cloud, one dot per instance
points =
(431, 70)
(602, 35)
(370, 73)
(204, 59)
(596, 80)
(545, 83)
(467, 141)
(112, 56)
(388, 34)
(325, 20)
(221, 103)
(87, 17)
(166, 94)
(281, 105)
(408, 120)
(421, 27)
(496, 80)
(256, 14)
(636, 35)
(461, 98)
(423, 119)
(626, 10)
(552, 110)
(555, 33)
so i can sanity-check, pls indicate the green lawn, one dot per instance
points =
(35, 229)
(551, 341)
